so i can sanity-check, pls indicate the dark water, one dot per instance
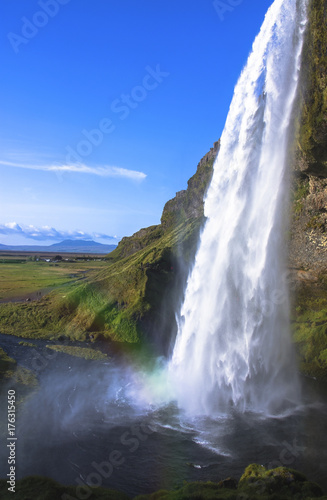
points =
(93, 422)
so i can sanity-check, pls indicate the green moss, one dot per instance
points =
(310, 330)
(299, 193)
(7, 364)
(315, 223)
(194, 491)
(22, 377)
(22, 380)
(41, 488)
(257, 483)
(251, 474)
(17, 374)
(277, 483)
(5, 359)
(80, 352)
(188, 204)
(313, 124)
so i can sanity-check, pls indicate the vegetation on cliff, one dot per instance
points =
(308, 242)
(257, 483)
(310, 330)
(313, 125)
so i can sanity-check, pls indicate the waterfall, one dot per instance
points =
(233, 347)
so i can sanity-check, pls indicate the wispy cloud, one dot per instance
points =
(50, 233)
(104, 171)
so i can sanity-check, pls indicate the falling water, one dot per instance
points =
(233, 347)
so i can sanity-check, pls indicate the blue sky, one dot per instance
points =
(108, 105)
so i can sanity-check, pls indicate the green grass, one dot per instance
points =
(15, 377)
(30, 320)
(21, 279)
(17, 374)
(41, 488)
(80, 352)
(300, 192)
(257, 483)
(22, 377)
(116, 298)
(6, 363)
(27, 344)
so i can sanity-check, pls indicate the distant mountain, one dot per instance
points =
(66, 246)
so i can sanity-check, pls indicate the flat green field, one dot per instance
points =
(23, 280)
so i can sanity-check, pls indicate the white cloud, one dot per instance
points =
(105, 171)
(13, 226)
(49, 233)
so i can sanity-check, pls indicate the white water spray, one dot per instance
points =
(233, 345)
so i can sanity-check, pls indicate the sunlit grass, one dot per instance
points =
(20, 279)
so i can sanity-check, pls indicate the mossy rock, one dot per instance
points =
(27, 344)
(310, 330)
(287, 483)
(257, 483)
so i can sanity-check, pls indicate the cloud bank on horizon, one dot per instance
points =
(50, 233)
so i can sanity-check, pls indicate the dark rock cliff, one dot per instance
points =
(308, 246)
(157, 260)
(308, 227)
(188, 203)
(312, 139)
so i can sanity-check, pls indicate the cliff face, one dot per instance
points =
(312, 139)
(155, 261)
(308, 229)
(188, 204)
(308, 245)
(309, 221)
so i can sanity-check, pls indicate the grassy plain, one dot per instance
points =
(20, 278)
